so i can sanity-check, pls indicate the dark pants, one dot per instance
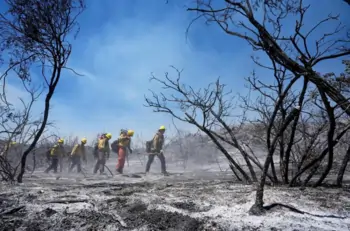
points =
(60, 161)
(76, 161)
(150, 161)
(95, 153)
(100, 163)
(53, 166)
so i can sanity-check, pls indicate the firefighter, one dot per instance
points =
(124, 142)
(103, 153)
(78, 153)
(95, 152)
(114, 144)
(56, 153)
(61, 157)
(157, 150)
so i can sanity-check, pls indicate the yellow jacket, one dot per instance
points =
(57, 151)
(158, 142)
(79, 150)
(124, 141)
(103, 146)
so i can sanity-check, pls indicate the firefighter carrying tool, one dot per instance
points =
(95, 152)
(154, 148)
(103, 153)
(124, 142)
(78, 153)
(56, 153)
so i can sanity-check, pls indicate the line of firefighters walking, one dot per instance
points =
(102, 151)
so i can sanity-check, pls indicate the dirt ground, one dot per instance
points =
(183, 201)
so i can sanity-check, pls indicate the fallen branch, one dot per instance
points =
(70, 201)
(291, 208)
(12, 211)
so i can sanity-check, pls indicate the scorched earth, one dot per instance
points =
(186, 200)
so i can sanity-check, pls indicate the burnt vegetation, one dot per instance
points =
(300, 115)
(34, 38)
(291, 129)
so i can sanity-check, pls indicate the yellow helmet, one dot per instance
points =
(130, 132)
(108, 135)
(162, 127)
(84, 140)
(60, 141)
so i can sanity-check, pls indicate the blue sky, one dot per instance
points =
(121, 42)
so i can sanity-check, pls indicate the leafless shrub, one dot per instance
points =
(18, 128)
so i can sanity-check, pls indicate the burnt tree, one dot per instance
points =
(208, 109)
(38, 32)
(267, 35)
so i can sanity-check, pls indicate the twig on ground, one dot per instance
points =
(70, 201)
(12, 211)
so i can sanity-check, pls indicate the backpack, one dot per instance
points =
(149, 146)
(114, 146)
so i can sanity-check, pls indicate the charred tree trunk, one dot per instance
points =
(343, 168)
(234, 172)
(286, 159)
(281, 144)
(331, 131)
(311, 174)
(250, 166)
(258, 208)
(273, 170)
(282, 138)
(56, 73)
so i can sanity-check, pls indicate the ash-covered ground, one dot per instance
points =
(198, 199)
